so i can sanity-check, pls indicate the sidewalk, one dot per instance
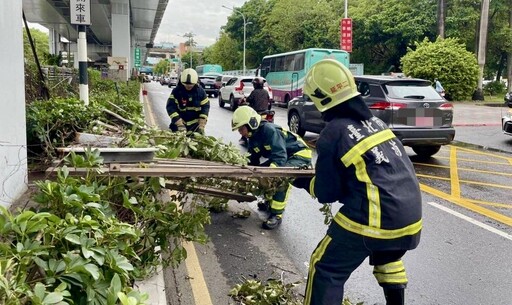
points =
(465, 114)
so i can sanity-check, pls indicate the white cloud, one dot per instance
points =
(201, 17)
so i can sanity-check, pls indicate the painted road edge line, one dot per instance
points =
(197, 282)
(471, 220)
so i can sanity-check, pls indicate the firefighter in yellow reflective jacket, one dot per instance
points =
(280, 147)
(364, 166)
(188, 105)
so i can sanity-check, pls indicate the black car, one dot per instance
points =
(508, 99)
(208, 84)
(412, 109)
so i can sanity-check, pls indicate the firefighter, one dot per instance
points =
(259, 100)
(364, 166)
(280, 147)
(188, 105)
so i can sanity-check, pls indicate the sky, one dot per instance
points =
(201, 17)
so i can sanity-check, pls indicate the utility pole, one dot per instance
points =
(190, 44)
(245, 26)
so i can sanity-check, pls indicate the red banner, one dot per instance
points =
(346, 34)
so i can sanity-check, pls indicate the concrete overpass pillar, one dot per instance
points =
(54, 41)
(121, 31)
(13, 142)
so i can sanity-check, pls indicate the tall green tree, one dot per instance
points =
(40, 40)
(224, 52)
(384, 29)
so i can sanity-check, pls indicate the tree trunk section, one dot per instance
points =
(482, 42)
(441, 17)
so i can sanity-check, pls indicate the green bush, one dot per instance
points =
(447, 60)
(494, 88)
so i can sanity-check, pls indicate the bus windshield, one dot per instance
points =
(285, 72)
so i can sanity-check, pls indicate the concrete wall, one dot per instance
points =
(13, 150)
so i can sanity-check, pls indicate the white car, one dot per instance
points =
(506, 123)
(236, 89)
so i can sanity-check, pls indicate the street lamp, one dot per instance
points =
(245, 25)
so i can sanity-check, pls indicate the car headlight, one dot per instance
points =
(508, 115)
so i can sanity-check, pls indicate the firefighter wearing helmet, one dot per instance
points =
(279, 146)
(188, 105)
(364, 166)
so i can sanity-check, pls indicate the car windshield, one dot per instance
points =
(411, 90)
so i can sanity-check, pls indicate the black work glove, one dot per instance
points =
(302, 183)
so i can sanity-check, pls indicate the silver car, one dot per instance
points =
(412, 109)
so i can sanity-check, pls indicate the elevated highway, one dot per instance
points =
(117, 26)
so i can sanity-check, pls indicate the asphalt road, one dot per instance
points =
(463, 257)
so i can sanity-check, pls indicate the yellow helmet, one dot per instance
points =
(189, 77)
(329, 83)
(245, 115)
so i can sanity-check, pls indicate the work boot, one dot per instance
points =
(394, 296)
(263, 205)
(273, 221)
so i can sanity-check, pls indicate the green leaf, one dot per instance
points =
(53, 298)
(93, 270)
(73, 238)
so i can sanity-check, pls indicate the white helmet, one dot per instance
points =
(189, 77)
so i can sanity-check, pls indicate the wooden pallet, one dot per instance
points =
(185, 168)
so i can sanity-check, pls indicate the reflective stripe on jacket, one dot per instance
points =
(276, 144)
(190, 106)
(364, 166)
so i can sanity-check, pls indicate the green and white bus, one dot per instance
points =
(208, 69)
(285, 72)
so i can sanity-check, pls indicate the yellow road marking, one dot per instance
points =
(464, 169)
(475, 161)
(199, 288)
(466, 181)
(468, 205)
(494, 204)
(485, 154)
(151, 118)
(454, 174)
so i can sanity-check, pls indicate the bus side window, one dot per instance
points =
(289, 63)
(299, 62)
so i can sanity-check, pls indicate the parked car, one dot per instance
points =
(208, 84)
(173, 81)
(165, 80)
(508, 99)
(237, 88)
(412, 109)
(221, 79)
(506, 123)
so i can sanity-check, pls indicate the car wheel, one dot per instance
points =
(221, 101)
(232, 103)
(295, 125)
(426, 151)
(215, 95)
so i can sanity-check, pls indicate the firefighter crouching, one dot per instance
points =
(188, 105)
(280, 147)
